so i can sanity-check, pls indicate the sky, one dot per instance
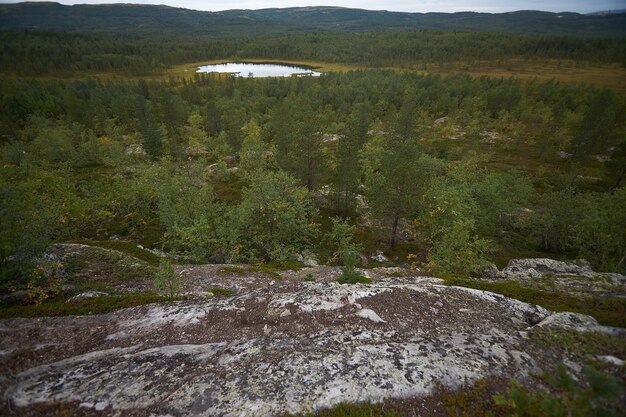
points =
(490, 6)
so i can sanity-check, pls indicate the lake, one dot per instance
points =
(258, 70)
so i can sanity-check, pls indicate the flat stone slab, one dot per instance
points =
(270, 350)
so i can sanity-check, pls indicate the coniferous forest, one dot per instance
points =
(531, 166)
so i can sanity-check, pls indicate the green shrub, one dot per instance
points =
(166, 279)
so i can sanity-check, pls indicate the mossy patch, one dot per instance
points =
(268, 269)
(98, 266)
(95, 305)
(581, 345)
(353, 277)
(230, 270)
(221, 292)
(608, 311)
(123, 246)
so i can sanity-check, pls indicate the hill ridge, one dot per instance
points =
(141, 19)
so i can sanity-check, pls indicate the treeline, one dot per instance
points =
(255, 169)
(41, 53)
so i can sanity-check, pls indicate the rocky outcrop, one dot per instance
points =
(534, 267)
(579, 322)
(575, 277)
(379, 257)
(271, 350)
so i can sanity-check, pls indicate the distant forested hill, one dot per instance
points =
(147, 19)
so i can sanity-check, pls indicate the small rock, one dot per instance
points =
(67, 287)
(308, 259)
(490, 270)
(366, 313)
(136, 149)
(535, 267)
(563, 155)
(14, 298)
(575, 321)
(612, 360)
(231, 159)
(329, 138)
(88, 294)
(378, 256)
(217, 258)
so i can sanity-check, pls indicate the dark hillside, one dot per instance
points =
(148, 19)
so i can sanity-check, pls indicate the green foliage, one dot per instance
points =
(299, 139)
(600, 236)
(589, 224)
(196, 225)
(348, 173)
(340, 239)
(166, 279)
(37, 207)
(457, 250)
(602, 397)
(274, 216)
(462, 210)
(396, 174)
(44, 282)
(255, 155)
(90, 181)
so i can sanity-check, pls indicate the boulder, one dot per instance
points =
(16, 297)
(535, 267)
(378, 256)
(579, 322)
(217, 258)
(136, 149)
(489, 270)
(87, 294)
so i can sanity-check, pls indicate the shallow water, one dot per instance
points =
(258, 70)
